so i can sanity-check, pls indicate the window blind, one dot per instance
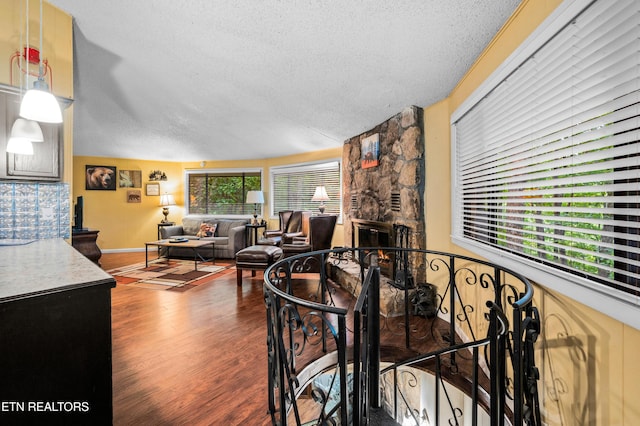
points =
(548, 163)
(293, 187)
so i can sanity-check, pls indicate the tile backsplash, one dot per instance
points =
(34, 210)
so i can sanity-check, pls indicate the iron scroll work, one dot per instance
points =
(333, 359)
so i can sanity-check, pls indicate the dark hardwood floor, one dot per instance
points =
(196, 358)
(199, 357)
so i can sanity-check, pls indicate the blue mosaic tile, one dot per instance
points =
(34, 210)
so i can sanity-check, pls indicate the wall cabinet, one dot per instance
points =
(46, 162)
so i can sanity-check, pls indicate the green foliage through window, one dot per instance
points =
(222, 193)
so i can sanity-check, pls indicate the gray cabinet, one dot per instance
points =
(46, 162)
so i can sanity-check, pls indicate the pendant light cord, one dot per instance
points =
(40, 76)
(26, 53)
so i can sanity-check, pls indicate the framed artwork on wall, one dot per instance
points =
(100, 178)
(134, 196)
(370, 151)
(130, 179)
(153, 189)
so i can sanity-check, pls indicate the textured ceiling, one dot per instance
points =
(189, 80)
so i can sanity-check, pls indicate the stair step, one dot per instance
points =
(379, 417)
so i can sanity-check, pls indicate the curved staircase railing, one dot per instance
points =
(348, 345)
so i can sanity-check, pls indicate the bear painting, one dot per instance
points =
(101, 177)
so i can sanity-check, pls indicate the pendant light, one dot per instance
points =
(20, 146)
(23, 131)
(26, 129)
(39, 104)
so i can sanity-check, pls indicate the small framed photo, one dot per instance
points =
(130, 178)
(134, 196)
(100, 178)
(370, 151)
(153, 189)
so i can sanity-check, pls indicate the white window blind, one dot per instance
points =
(547, 164)
(293, 187)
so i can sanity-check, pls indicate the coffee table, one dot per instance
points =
(192, 244)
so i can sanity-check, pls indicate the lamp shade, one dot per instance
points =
(167, 200)
(320, 194)
(255, 197)
(20, 146)
(40, 105)
(27, 129)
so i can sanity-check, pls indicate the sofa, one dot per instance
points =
(229, 237)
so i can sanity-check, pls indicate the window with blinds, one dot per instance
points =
(547, 164)
(222, 192)
(293, 187)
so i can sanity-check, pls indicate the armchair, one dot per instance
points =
(320, 235)
(274, 236)
(298, 226)
(293, 224)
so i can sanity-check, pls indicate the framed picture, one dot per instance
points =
(100, 178)
(130, 179)
(153, 189)
(134, 196)
(370, 151)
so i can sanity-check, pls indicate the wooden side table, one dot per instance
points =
(161, 224)
(84, 240)
(249, 227)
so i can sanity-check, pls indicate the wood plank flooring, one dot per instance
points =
(199, 357)
(193, 358)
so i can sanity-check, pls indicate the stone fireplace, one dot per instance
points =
(383, 172)
(390, 193)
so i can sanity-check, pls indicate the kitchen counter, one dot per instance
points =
(55, 327)
(44, 266)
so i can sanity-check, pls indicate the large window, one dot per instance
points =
(547, 161)
(222, 192)
(293, 187)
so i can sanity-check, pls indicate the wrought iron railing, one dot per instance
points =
(346, 344)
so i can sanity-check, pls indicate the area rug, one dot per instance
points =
(171, 275)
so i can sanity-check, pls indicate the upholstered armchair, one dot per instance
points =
(298, 226)
(274, 236)
(293, 224)
(319, 238)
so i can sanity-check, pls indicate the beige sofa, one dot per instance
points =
(229, 238)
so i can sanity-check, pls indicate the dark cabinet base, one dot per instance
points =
(55, 366)
(85, 242)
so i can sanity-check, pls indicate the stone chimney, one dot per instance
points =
(383, 172)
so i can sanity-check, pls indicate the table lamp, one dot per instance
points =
(255, 197)
(320, 195)
(166, 200)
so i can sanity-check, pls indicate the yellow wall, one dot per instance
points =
(126, 226)
(588, 361)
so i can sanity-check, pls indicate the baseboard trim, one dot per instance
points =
(128, 250)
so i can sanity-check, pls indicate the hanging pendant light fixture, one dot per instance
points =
(39, 104)
(23, 131)
(20, 146)
(27, 129)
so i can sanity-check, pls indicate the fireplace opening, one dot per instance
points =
(367, 233)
